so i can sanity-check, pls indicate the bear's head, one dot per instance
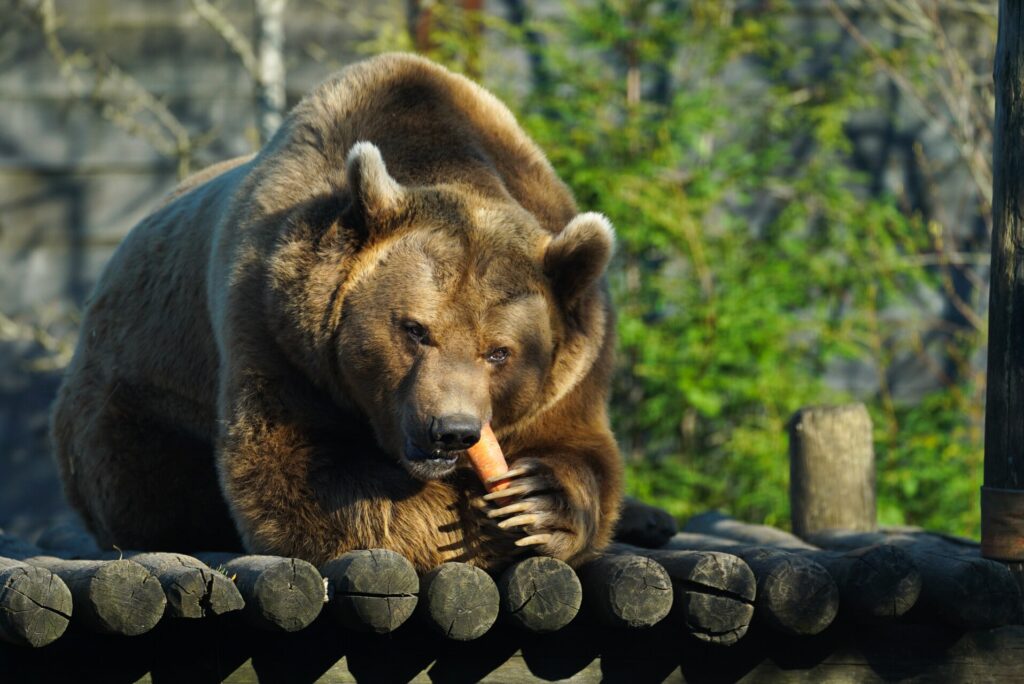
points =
(456, 309)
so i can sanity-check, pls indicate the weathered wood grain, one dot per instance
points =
(35, 604)
(718, 524)
(831, 469)
(795, 594)
(626, 590)
(540, 594)
(875, 582)
(281, 594)
(958, 586)
(1004, 408)
(110, 597)
(192, 588)
(713, 593)
(373, 591)
(458, 601)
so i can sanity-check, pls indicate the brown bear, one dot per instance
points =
(297, 348)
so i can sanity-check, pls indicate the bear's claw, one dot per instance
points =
(520, 521)
(532, 510)
(526, 485)
(517, 507)
(517, 470)
(534, 539)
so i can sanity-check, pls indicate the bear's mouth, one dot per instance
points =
(429, 465)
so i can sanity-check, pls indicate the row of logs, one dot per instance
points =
(710, 582)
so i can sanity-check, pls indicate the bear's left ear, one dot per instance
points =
(376, 195)
(578, 256)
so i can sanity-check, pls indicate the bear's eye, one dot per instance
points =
(499, 355)
(417, 332)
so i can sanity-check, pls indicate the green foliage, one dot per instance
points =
(751, 259)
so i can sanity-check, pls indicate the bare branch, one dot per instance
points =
(974, 159)
(59, 349)
(120, 98)
(231, 35)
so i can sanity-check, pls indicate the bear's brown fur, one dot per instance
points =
(269, 355)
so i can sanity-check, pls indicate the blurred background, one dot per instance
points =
(801, 192)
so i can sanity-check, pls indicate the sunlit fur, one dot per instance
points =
(243, 374)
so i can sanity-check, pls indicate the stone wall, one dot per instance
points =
(73, 181)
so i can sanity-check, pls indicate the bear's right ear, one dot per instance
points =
(578, 256)
(376, 196)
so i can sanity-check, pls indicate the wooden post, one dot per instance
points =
(831, 469)
(1002, 497)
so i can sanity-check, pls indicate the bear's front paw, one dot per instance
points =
(536, 506)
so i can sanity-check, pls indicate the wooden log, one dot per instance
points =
(718, 524)
(626, 590)
(458, 601)
(713, 593)
(35, 605)
(875, 582)
(845, 540)
(372, 590)
(795, 594)
(642, 524)
(540, 594)
(831, 469)
(192, 588)
(280, 594)
(110, 597)
(958, 586)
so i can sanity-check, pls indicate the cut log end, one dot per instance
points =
(798, 595)
(540, 594)
(627, 590)
(459, 601)
(713, 593)
(35, 606)
(372, 591)
(113, 597)
(193, 589)
(879, 582)
(287, 596)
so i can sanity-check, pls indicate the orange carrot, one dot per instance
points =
(488, 459)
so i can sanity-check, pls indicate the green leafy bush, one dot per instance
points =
(751, 258)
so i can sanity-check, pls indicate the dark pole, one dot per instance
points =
(1002, 497)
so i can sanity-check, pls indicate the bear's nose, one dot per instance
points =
(455, 431)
